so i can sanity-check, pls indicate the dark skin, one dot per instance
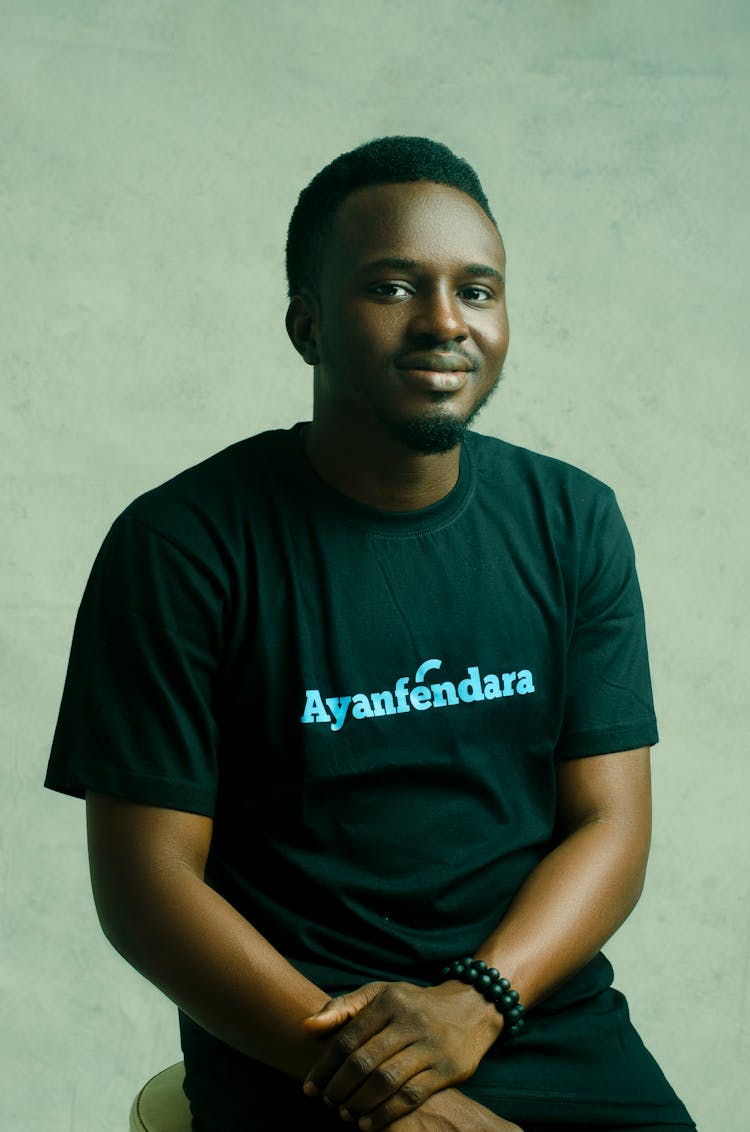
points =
(564, 912)
(421, 335)
(366, 325)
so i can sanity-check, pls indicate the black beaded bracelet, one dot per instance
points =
(489, 982)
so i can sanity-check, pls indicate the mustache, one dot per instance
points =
(440, 361)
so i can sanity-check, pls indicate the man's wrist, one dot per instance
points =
(479, 1018)
(493, 987)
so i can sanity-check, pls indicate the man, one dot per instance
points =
(352, 702)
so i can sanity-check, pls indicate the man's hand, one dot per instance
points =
(396, 1044)
(451, 1111)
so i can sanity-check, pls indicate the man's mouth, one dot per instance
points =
(443, 373)
(436, 362)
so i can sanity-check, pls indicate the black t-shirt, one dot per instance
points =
(370, 705)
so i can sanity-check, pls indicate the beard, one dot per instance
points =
(433, 433)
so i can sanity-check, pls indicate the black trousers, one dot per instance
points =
(578, 1127)
(285, 1124)
(290, 1111)
(608, 1128)
(597, 1076)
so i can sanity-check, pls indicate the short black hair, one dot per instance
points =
(390, 160)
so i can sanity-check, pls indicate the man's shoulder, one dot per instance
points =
(507, 464)
(239, 469)
(539, 497)
(209, 496)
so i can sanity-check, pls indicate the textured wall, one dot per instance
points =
(150, 155)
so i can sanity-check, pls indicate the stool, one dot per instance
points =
(161, 1105)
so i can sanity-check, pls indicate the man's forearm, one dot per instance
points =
(568, 907)
(211, 962)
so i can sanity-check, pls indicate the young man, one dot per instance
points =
(356, 700)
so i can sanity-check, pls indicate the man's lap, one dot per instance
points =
(612, 1084)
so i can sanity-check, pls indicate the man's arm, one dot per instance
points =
(579, 895)
(397, 1048)
(147, 868)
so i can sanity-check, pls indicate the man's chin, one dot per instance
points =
(438, 431)
(430, 434)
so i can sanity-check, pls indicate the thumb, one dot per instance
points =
(339, 1010)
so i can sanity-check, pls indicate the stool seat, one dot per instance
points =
(161, 1105)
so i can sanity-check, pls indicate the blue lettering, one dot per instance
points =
(492, 687)
(470, 689)
(441, 691)
(339, 707)
(421, 697)
(525, 682)
(425, 667)
(314, 711)
(382, 703)
(474, 687)
(401, 702)
(508, 678)
(361, 706)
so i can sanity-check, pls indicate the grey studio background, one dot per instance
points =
(150, 156)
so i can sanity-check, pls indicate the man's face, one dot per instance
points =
(412, 328)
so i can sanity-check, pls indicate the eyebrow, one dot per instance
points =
(398, 264)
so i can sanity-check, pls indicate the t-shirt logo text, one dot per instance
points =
(334, 710)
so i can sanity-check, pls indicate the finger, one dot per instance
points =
(363, 1062)
(382, 1083)
(346, 1043)
(339, 1010)
(406, 1099)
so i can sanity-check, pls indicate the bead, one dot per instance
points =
(494, 987)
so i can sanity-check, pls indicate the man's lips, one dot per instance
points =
(442, 373)
(436, 363)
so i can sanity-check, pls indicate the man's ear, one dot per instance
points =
(302, 327)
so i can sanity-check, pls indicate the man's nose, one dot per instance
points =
(439, 316)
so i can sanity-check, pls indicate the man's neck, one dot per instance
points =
(377, 470)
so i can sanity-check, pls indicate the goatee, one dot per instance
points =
(433, 433)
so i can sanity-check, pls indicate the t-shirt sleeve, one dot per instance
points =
(136, 717)
(608, 698)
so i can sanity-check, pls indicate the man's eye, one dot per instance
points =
(390, 290)
(476, 294)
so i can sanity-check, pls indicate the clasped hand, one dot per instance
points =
(395, 1044)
